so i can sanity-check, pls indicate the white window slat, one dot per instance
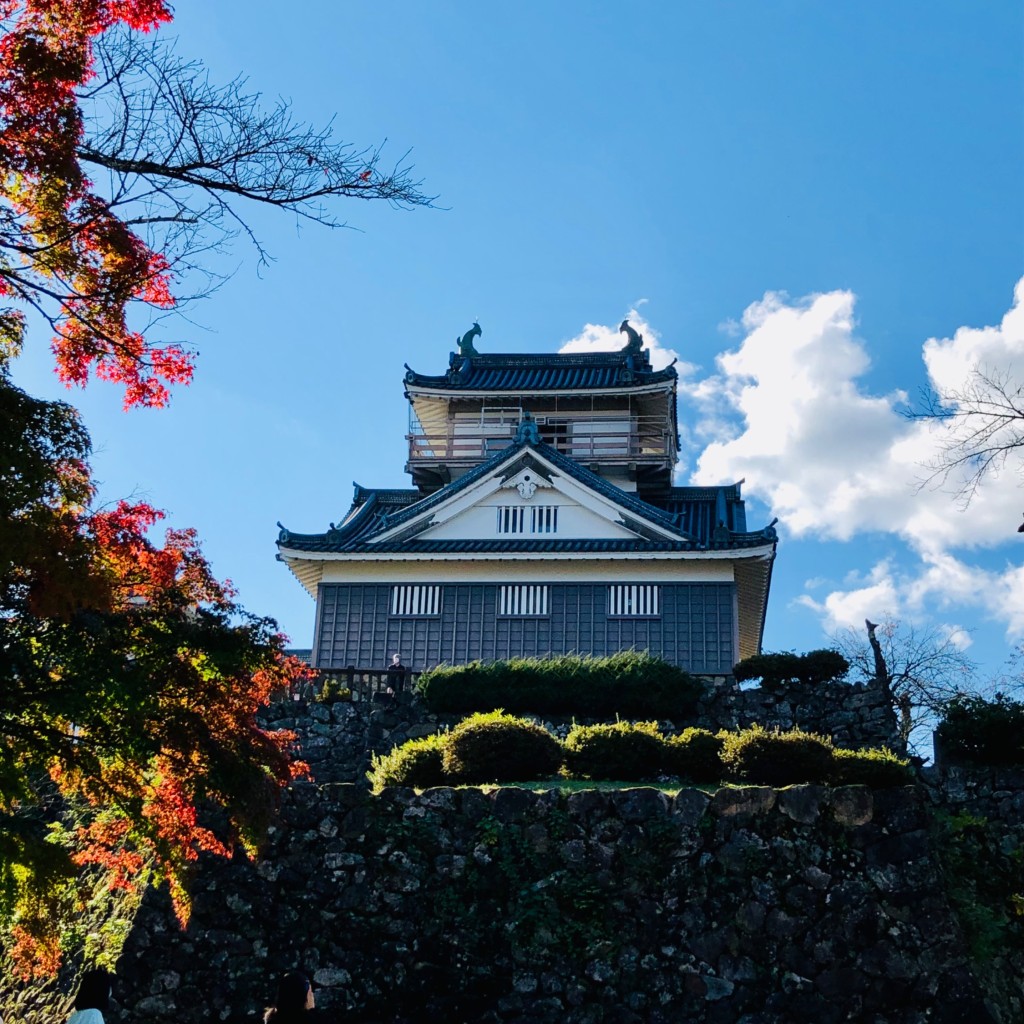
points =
(415, 600)
(634, 600)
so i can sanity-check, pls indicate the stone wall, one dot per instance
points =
(337, 739)
(979, 839)
(853, 714)
(751, 906)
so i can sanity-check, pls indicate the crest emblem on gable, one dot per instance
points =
(526, 482)
(526, 488)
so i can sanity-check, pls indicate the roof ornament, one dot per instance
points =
(465, 343)
(528, 431)
(636, 341)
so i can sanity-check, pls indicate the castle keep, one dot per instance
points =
(542, 519)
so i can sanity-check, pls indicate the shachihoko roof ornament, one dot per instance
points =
(465, 343)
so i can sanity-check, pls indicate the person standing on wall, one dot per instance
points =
(395, 675)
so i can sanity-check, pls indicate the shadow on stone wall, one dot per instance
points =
(806, 904)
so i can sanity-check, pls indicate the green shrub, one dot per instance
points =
(777, 758)
(497, 747)
(975, 731)
(415, 763)
(695, 754)
(334, 690)
(626, 750)
(877, 767)
(776, 670)
(629, 683)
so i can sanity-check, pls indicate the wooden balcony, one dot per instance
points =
(590, 441)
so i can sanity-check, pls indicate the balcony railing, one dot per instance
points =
(585, 440)
(363, 684)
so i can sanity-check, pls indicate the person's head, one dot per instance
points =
(396, 659)
(294, 993)
(94, 990)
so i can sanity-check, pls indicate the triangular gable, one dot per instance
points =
(527, 477)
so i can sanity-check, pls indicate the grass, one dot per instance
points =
(568, 786)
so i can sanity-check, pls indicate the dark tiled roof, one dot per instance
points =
(562, 371)
(693, 514)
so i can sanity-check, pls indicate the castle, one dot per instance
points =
(542, 520)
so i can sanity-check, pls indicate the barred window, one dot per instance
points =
(415, 599)
(511, 519)
(626, 600)
(544, 519)
(523, 600)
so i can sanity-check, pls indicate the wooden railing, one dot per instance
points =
(632, 444)
(365, 684)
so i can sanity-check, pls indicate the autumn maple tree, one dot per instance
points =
(130, 679)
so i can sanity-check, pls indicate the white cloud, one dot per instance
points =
(834, 461)
(787, 411)
(875, 597)
(602, 338)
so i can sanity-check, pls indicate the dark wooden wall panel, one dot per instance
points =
(354, 626)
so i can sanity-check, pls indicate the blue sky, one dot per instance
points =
(816, 188)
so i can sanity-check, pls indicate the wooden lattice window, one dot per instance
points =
(519, 519)
(634, 600)
(414, 599)
(511, 519)
(523, 600)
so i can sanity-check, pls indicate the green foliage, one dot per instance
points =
(334, 690)
(129, 682)
(497, 747)
(984, 867)
(695, 754)
(625, 750)
(877, 767)
(415, 763)
(976, 731)
(629, 683)
(776, 670)
(774, 758)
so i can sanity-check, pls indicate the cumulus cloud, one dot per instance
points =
(606, 338)
(786, 410)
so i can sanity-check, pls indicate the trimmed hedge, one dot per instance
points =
(497, 747)
(878, 767)
(632, 684)
(627, 751)
(695, 754)
(415, 763)
(776, 670)
(975, 731)
(773, 758)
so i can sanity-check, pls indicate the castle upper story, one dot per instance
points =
(610, 411)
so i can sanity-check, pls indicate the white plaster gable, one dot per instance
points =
(575, 521)
(471, 514)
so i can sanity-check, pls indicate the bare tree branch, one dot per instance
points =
(980, 428)
(923, 669)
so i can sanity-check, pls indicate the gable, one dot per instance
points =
(549, 512)
(525, 496)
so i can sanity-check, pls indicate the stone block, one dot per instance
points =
(728, 803)
(512, 805)
(852, 805)
(803, 803)
(689, 806)
(640, 805)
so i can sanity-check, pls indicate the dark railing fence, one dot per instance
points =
(365, 684)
